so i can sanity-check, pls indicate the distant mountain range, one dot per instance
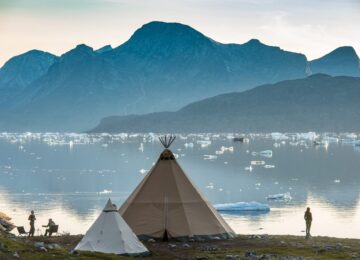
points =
(163, 66)
(317, 103)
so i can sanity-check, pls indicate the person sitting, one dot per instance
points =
(49, 229)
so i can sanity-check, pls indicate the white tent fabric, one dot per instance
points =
(166, 204)
(111, 234)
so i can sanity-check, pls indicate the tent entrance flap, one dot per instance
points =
(165, 237)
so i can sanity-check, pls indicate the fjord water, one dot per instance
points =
(69, 177)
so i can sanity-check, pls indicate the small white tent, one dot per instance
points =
(111, 234)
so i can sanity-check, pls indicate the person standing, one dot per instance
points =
(32, 219)
(308, 220)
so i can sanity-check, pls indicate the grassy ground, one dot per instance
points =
(267, 247)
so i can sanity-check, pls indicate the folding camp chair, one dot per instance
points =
(21, 231)
(53, 229)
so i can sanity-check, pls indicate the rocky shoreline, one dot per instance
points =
(243, 247)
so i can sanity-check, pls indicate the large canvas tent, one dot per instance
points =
(111, 234)
(166, 204)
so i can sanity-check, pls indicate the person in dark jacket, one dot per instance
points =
(49, 229)
(308, 220)
(32, 219)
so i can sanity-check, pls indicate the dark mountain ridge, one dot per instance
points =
(163, 66)
(317, 103)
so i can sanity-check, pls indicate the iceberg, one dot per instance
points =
(141, 147)
(257, 162)
(277, 145)
(189, 145)
(210, 186)
(280, 197)
(308, 136)
(269, 166)
(143, 171)
(249, 168)
(209, 157)
(224, 149)
(242, 206)
(266, 153)
(105, 191)
(279, 136)
(203, 143)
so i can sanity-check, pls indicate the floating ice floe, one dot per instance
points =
(105, 191)
(266, 153)
(351, 135)
(204, 143)
(279, 136)
(246, 140)
(141, 147)
(330, 139)
(280, 197)
(189, 145)
(307, 136)
(337, 181)
(242, 206)
(249, 168)
(210, 157)
(276, 145)
(269, 166)
(257, 162)
(143, 171)
(224, 149)
(210, 186)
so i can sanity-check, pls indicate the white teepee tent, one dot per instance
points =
(111, 234)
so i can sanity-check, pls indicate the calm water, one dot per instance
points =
(69, 177)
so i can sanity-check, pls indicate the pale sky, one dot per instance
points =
(312, 27)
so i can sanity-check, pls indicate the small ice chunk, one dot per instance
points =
(141, 147)
(266, 153)
(269, 166)
(242, 206)
(143, 171)
(279, 136)
(280, 197)
(189, 145)
(249, 168)
(210, 186)
(209, 157)
(277, 145)
(257, 162)
(204, 143)
(224, 149)
(105, 191)
(337, 181)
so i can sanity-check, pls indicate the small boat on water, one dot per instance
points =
(238, 139)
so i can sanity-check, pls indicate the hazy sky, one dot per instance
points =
(312, 27)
